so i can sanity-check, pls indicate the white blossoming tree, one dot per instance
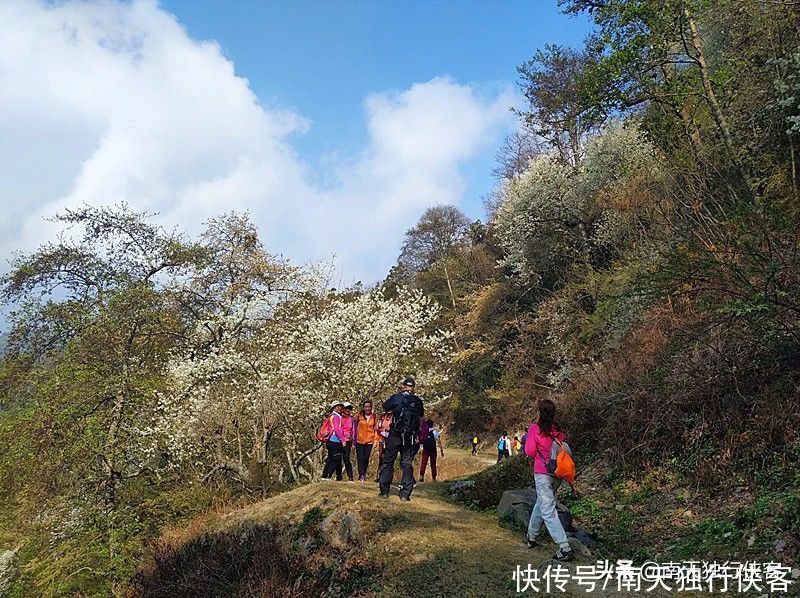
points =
(556, 215)
(257, 397)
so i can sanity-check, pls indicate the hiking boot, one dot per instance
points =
(563, 554)
(531, 543)
(383, 496)
(362, 478)
(405, 498)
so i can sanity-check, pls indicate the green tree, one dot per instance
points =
(559, 113)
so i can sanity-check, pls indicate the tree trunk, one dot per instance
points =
(450, 286)
(711, 97)
(452, 299)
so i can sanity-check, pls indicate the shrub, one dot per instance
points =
(510, 474)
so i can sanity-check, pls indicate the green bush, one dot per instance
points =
(510, 474)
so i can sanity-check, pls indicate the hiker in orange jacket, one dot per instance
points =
(366, 437)
(384, 423)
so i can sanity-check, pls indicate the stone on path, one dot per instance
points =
(8, 569)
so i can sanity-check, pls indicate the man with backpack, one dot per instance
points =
(429, 444)
(407, 409)
(503, 447)
(474, 444)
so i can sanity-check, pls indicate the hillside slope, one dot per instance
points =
(333, 539)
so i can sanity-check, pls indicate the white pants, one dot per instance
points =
(544, 511)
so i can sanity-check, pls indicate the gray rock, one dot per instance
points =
(583, 537)
(512, 498)
(519, 504)
(779, 546)
(341, 529)
(578, 547)
(9, 565)
(566, 519)
(462, 485)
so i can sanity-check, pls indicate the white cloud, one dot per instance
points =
(103, 102)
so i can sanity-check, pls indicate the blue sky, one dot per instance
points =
(323, 58)
(334, 124)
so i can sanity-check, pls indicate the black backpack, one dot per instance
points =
(405, 421)
(429, 444)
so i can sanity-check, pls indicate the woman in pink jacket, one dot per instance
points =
(333, 464)
(537, 446)
(348, 432)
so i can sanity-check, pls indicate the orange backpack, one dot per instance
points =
(561, 462)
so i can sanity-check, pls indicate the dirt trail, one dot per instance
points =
(428, 543)
(429, 546)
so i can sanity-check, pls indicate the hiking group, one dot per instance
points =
(400, 430)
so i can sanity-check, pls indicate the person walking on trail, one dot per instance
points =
(384, 423)
(333, 463)
(515, 446)
(474, 444)
(541, 435)
(366, 437)
(407, 409)
(503, 447)
(429, 445)
(347, 441)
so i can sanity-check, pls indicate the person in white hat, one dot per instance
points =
(334, 444)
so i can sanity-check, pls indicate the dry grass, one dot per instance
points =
(429, 546)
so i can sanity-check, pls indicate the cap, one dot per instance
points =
(334, 403)
(347, 405)
(410, 382)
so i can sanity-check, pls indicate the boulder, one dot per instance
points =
(518, 504)
(583, 537)
(578, 547)
(8, 570)
(341, 529)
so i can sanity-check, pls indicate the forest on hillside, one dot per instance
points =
(639, 263)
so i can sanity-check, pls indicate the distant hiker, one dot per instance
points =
(422, 434)
(366, 436)
(429, 444)
(407, 409)
(331, 434)
(347, 441)
(515, 446)
(523, 440)
(503, 447)
(384, 423)
(537, 446)
(474, 444)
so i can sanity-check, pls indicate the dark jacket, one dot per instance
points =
(394, 402)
